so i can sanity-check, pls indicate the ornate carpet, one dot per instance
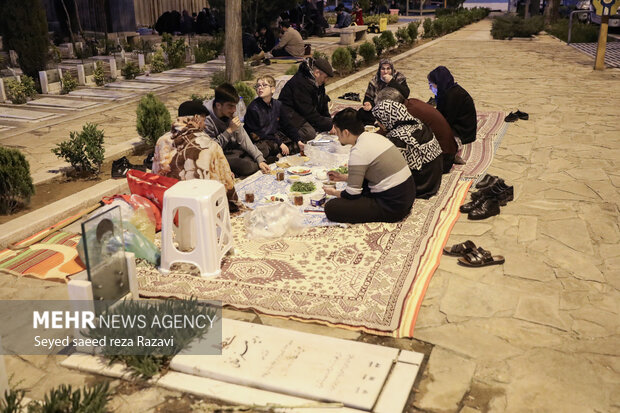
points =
(369, 277)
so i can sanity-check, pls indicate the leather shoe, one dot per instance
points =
(488, 180)
(489, 208)
(512, 117)
(470, 206)
(522, 115)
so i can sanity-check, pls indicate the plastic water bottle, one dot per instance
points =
(241, 109)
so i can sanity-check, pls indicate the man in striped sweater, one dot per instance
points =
(380, 187)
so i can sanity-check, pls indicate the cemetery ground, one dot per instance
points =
(540, 333)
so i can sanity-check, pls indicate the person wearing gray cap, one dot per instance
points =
(304, 101)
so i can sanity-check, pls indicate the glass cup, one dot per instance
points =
(298, 199)
(279, 175)
(249, 196)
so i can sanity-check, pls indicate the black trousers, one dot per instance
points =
(280, 52)
(428, 179)
(241, 163)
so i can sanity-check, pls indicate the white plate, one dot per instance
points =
(299, 170)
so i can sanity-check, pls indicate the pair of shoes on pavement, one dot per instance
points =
(350, 96)
(122, 165)
(515, 116)
(492, 193)
(472, 256)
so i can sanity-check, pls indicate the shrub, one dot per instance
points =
(15, 181)
(440, 12)
(195, 96)
(68, 83)
(84, 150)
(438, 29)
(15, 91)
(209, 49)
(143, 46)
(368, 52)
(30, 88)
(220, 77)
(203, 54)
(60, 399)
(24, 29)
(245, 92)
(380, 45)
(54, 54)
(291, 70)
(402, 35)
(130, 70)
(153, 119)
(175, 49)
(391, 18)
(99, 74)
(428, 28)
(318, 54)
(158, 64)
(341, 60)
(353, 51)
(507, 27)
(581, 33)
(388, 39)
(412, 28)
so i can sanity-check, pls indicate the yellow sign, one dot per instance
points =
(606, 7)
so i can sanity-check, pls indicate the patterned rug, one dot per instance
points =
(54, 258)
(369, 277)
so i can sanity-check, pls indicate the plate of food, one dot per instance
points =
(303, 187)
(276, 198)
(299, 170)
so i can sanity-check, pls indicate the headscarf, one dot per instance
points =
(421, 147)
(444, 80)
(376, 83)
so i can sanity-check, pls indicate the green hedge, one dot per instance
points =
(452, 20)
(581, 32)
(507, 27)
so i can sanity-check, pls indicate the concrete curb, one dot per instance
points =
(35, 221)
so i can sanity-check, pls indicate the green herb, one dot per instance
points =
(342, 169)
(303, 187)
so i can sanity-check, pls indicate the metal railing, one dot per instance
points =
(570, 22)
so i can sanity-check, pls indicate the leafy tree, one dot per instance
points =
(24, 26)
(175, 49)
(342, 61)
(84, 150)
(15, 181)
(153, 119)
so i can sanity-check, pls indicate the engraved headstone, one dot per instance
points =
(113, 73)
(43, 81)
(2, 91)
(296, 363)
(81, 75)
(13, 58)
(104, 250)
(102, 93)
(134, 85)
(140, 61)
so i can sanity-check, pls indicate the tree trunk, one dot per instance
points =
(422, 7)
(69, 26)
(77, 19)
(552, 11)
(527, 8)
(233, 46)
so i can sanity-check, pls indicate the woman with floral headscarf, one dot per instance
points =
(416, 142)
(454, 103)
(386, 77)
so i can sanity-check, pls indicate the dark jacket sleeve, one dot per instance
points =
(312, 114)
(251, 120)
(370, 94)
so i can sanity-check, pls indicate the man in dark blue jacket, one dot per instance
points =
(262, 121)
(304, 101)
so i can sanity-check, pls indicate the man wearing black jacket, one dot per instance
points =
(304, 101)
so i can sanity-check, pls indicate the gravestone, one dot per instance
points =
(112, 62)
(63, 103)
(102, 93)
(13, 58)
(303, 365)
(134, 85)
(23, 115)
(81, 75)
(163, 78)
(2, 91)
(141, 61)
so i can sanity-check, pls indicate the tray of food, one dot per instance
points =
(303, 187)
(299, 170)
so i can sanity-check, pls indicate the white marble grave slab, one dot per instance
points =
(134, 85)
(74, 104)
(163, 79)
(189, 72)
(4, 128)
(208, 65)
(103, 93)
(25, 115)
(296, 363)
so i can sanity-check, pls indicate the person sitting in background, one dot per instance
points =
(251, 50)
(188, 153)
(304, 101)
(225, 128)
(380, 187)
(262, 121)
(432, 118)
(386, 77)
(265, 38)
(343, 19)
(455, 104)
(417, 144)
(290, 44)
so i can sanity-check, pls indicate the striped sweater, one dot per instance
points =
(376, 163)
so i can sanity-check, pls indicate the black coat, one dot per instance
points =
(459, 110)
(302, 100)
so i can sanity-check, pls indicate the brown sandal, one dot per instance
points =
(459, 250)
(480, 258)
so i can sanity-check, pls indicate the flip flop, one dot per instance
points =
(480, 258)
(459, 250)
(522, 115)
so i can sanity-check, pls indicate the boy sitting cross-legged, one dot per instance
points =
(262, 122)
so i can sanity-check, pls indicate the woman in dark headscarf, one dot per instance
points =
(454, 103)
(386, 77)
(416, 142)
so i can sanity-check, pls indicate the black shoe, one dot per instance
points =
(488, 208)
(470, 206)
(148, 161)
(522, 115)
(120, 167)
(267, 62)
(513, 117)
(488, 180)
(484, 192)
(500, 191)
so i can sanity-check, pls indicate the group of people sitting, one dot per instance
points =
(387, 171)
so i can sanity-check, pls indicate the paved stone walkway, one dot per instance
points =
(542, 332)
